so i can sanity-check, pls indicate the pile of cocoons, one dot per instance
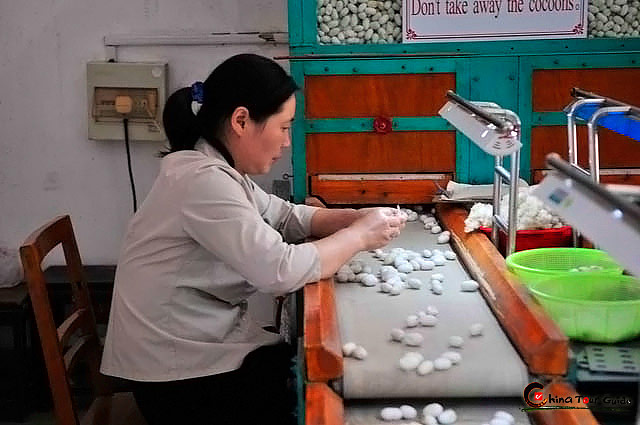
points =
(531, 214)
(359, 21)
(436, 414)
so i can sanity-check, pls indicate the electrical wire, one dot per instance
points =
(125, 121)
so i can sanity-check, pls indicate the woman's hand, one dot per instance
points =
(377, 226)
(373, 228)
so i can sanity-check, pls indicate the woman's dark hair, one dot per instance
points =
(255, 82)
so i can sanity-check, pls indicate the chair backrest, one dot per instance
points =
(76, 338)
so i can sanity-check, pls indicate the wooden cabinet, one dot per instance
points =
(338, 155)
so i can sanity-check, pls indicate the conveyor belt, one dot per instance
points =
(490, 365)
(468, 411)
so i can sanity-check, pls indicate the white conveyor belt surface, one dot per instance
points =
(490, 365)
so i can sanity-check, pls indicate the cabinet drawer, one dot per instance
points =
(389, 189)
(616, 151)
(552, 87)
(393, 95)
(407, 151)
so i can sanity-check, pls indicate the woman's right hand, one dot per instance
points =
(378, 226)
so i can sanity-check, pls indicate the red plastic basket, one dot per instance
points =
(538, 238)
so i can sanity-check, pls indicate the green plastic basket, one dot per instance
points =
(538, 264)
(592, 307)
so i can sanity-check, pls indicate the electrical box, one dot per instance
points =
(133, 90)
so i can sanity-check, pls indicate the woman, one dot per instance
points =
(206, 238)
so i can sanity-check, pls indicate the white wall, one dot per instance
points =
(47, 164)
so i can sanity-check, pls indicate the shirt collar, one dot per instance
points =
(204, 147)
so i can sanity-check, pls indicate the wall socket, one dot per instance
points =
(144, 83)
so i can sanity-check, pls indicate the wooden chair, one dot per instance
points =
(76, 339)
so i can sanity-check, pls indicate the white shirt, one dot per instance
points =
(204, 239)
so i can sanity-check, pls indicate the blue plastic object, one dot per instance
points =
(623, 123)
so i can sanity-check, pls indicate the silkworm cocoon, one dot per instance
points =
(395, 280)
(360, 353)
(469, 285)
(454, 356)
(408, 412)
(439, 260)
(423, 218)
(396, 289)
(431, 309)
(387, 275)
(402, 276)
(433, 409)
(429, 420)
(361, 276)
(349, 348)
(356, 267)
(408, 362)
(412, 321)
(369, 280)
(436, 229)
(450, 255)
(442, 238)
(413, 339)
(389, 259)
(368, 34)
(425, 368)
(405, 268)
(442, 363)
(401, 258)
(414, 264)
(427, 265)
(342, 277)
(428, 320)
(397, 334)
(437, 276)
(428, 226)
(447, 417)
(436, 287)
(476, 329)
(378, 252)
(414, 283)
(386, 287)
(391, 414)
(367, 269)
(456, 341)
(427, 253)
(437, 253)
(501, 414)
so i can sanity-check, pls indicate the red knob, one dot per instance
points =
(382, 125)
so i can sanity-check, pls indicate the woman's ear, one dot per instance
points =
(239, 120)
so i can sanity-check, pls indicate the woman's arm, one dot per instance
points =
(374, 228)
(326, 221)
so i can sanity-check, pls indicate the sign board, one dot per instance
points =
(472, 20)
